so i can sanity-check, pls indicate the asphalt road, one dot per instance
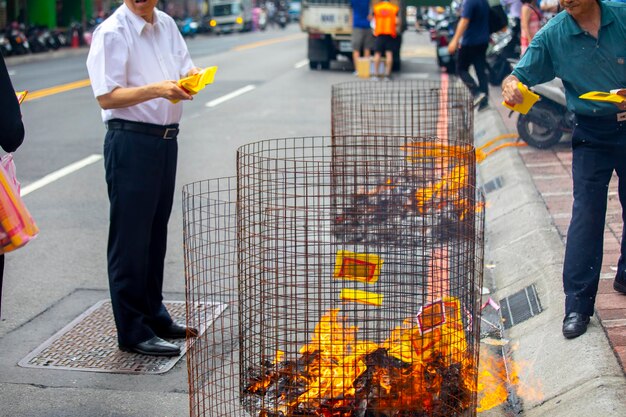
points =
(263, 89)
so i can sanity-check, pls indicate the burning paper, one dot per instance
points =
(411, 374)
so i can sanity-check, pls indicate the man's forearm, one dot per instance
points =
(126, 97)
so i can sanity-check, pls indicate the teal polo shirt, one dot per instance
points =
(562, 49)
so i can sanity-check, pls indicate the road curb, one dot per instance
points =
(570, 378)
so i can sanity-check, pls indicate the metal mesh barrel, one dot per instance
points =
(425, 108)
(350, 279)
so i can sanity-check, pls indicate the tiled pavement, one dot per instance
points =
(551, 171)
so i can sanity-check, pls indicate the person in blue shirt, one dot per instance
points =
(586, 48)
(472, 32)
(362, 36)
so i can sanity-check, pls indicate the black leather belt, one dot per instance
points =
(614, 118)
(163, 132)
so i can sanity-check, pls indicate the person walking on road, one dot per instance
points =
(472, 33)
(385, 31)
(586, 48)
(135, 57)
(362, 37)
(11, 129)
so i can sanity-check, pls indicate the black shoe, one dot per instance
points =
(153, 347)
(574, 324)
(484, 103)
(176, 331)
(619, 286)
(479, 99)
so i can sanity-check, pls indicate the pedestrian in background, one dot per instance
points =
(472, 34)
(134, 61)
(531, 20)
(585, 47)
(11, 129)
(385, 31)
(362, 37)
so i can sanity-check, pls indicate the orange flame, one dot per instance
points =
(497, 374)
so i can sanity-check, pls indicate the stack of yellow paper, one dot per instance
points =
(602, 96)
(195, 83)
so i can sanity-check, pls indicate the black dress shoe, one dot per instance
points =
(176, 331)
(619, 286)
(574, 324)
(153, 347)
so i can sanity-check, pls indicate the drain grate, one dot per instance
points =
(520, 306)
(494, 184)
(89, 343)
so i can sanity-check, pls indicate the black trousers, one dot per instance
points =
(140, 176)
(473, 55)
(599, 148)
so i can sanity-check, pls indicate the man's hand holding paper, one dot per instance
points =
(197, 80)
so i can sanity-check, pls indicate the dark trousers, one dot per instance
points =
(599, 148)
(473, 55)
(140, 176)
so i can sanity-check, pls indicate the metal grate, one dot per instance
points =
(89, 343)
(425, 108)
(494, 184)
(373, 243)
(520, 306)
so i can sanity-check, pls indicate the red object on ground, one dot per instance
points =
(75, 42)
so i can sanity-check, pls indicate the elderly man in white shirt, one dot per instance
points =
(135, 59)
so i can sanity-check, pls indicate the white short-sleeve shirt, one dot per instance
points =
(127, 51)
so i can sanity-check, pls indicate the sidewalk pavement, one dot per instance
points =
(528, 210)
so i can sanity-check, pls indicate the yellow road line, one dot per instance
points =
(33, 95)
(269, 42)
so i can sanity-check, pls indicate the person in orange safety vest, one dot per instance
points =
(385, 15)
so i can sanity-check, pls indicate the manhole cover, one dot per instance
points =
(89, 343)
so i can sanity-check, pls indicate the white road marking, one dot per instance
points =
(228, 96)
(50, 178)
(301, 64)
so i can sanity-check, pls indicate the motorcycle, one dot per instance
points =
(17, 38)
(546, 122)
(504, 49)
(441, 35)
(188, 27)
(5, 46)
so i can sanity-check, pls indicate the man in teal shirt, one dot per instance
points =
(586, 48)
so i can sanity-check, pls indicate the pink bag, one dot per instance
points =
(17, 227)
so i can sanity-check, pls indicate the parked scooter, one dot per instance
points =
(546, 122)
(503, 48)
(17, 38)
(441, 35)
(5, 46)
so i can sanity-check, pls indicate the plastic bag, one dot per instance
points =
(17, 227)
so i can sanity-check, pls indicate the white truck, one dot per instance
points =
(228, 16)
(329, 25)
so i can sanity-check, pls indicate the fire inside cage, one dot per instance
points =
(348, 270)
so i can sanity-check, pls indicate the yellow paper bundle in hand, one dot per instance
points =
(195, 83)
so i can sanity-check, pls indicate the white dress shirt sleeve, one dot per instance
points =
(106, 62)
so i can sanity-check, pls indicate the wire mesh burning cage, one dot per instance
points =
(346, 286)
(426, 108)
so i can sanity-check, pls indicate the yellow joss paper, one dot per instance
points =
(364, 267)
(195, 83)
(601, 96)
(363, 297)
(530, 99)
